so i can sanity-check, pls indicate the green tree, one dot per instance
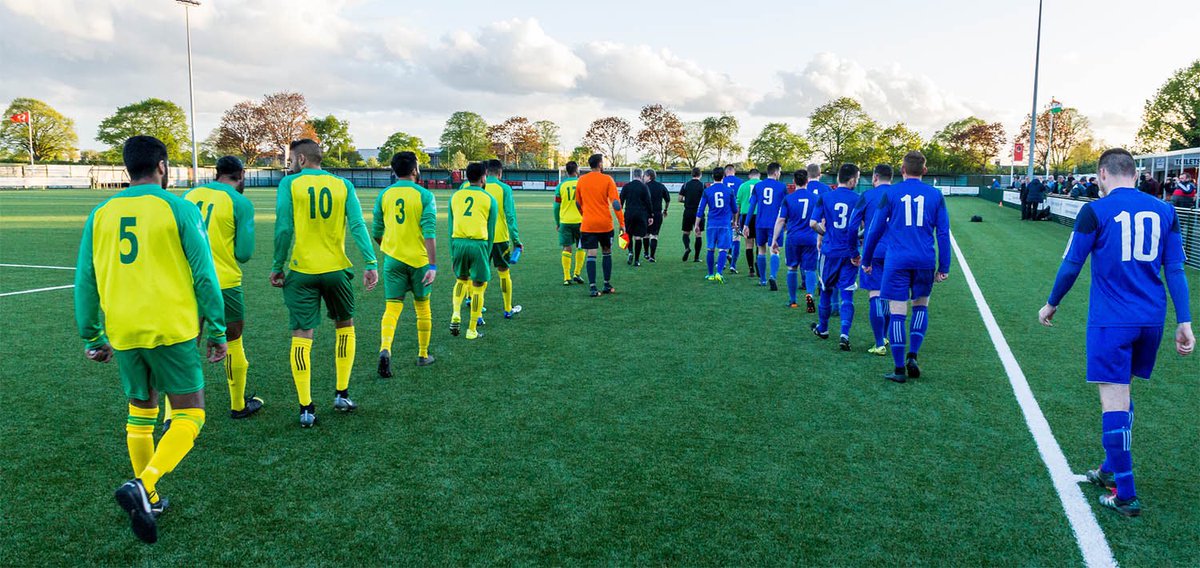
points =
(53, 134)
(695, 145)
(152, 117)
(1171, 119)
(841, 131)
(401, 142)
(722, 132)
(458, 161)
(333, 134)
(971, 143)
(466, 132)
(580, 156)
(1071, 128)
(777, 143)
(893, 143)
(548, 141)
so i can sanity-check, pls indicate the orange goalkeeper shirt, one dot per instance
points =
(595, 192)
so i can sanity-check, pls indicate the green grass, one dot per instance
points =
(677, 422)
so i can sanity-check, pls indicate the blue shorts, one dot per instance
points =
(1114, 354)
(719, 238)
(801, 255)
(837, 273)
(903, 284)
(763, 236)
(871, 281)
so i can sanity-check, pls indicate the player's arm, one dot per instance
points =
(557, 206)
(815, 220)
(429, 225)
(1173, 257)
(243, 230)
(616, 202)
(377, 222)
(1079, 246)
(284, 228)
(943, 239)
(87, 297)
(491, 219)
(578, 199)
(450, 216)
(510, 215)
(666, 197)
(780, 223)
(204, 274)
(875, 231)
(358, 228)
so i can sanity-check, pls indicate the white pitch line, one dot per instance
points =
(38, 266)
(1088, 534)
(37, 290)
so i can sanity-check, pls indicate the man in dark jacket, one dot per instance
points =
(1034, 196)
(689, 196)
(635, 202)
(1024, 193)
(1093, 190)
(1150, 186)
(660, 201)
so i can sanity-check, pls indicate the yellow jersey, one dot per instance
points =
(566, 210)
(316, 208)
(145, 263)
(506, 217)
(405, 215)
(228, 217)
(473, 215)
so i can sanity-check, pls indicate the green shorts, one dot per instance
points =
(235, 304)
(470, 260)
(568, 235)
(303, 293)
(170, 369)
(500, 255)
(399, 279)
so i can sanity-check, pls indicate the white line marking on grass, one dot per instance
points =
(1088, 534)
(37, 290)
(38, 266)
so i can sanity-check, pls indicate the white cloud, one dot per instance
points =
(513, 56)
(69, 19)
(640, 74)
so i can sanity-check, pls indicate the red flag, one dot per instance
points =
(20, 117)
(1018, 152)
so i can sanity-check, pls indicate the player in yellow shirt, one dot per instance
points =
(567, 219)
(317, 208)
(405, 226)
(144, 262)
(472, 230)
(228, 218)
(506, 233)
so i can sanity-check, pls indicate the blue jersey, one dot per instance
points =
(1130, 236)
(836, 210)
(720, 204)
(911, 213)
(733, 183)
(867, 208)
(765, 200)
(797, 208)
(817, 187)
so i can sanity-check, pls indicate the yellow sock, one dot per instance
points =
(580, 258)
(344, 361)
(424, 325)
(139, 436)
(387, 327)
(566, 265)
(175, 444)
(166, 409)
(506, 289)
(460, 293)
(301, 373)
(236, 367)
(477, 291)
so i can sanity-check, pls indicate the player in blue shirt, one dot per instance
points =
(867, 208)
(1131, 237)
(911, 214)
(835, 218)
(815, 185)
(794, 214)
(722, 209)
(733, 183)
(765, 200)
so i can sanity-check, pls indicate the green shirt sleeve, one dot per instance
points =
(204, 274)
(450, 214)
(358, 227)
(557, 206)
(428, 215)
(510, 214)
(377, 224)
(87, 296)
(283, 224)
(243, 236)
(492, 220)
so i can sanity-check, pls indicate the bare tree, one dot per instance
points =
(608, 135)
(286, 117)
(515, 141)
(243, 130)
(661, 133)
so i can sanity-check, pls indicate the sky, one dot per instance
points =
(389, 66)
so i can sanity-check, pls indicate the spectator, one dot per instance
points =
(1093, 190)
(1035, 198)
(1024, 194)
(1185, 192)
(1150, 186)
(1168, 187)
(995, 183)
(1079, 189)
(1060, 186)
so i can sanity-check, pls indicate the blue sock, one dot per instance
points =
(1116, 439)
(737, 251)
(774, 266)
(793, 282)
(824, 308)
(1107, 466)
(709, 259)
(878, 319)
(896, 336)
(761, 262)
(810, 281)
(920, 323)
(847, 311)
(722, 257)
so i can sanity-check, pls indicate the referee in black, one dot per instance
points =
(635, 201)
(690, 196)
(660, 201)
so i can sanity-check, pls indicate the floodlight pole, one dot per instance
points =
(29, 124)
(187, 22)
(1033, 114)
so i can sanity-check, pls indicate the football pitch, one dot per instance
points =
(678, 422)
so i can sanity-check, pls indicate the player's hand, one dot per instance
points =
(650, 223)
(1185, 342)
(774, 249)
(429, 276)
(1046, 315)
(866, 269)
(940, 277)
(664, 214)
(277, 279)
(216, 351)
(856, 261)
(370, 279)
(104, 353)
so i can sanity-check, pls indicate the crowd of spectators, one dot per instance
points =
(1178, 190)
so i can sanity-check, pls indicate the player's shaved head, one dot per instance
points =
(475, 172)
(914, 164)
(308, 148)
(495, 167)
(814, 171)
(718, 174)
(230, 167)
(847, 173)
(142, 156)
(1118, 162)
(572, 168)
(774, 168)
(596, 161)
(404, 164)
(754, 173)
(800, 177)
(883, 172)
(730, 169)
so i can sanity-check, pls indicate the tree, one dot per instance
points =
(1171, 120)
(1070, 129)
(333, 134)
(243, 131)
(695, 145)
(661, 133)
(722, 132)
(777, 143)
(466, 132)
(608, 136)
(842, 132)
(54, 135)
(548, 141)
(515, 141)
(152, 117)
(458, 161)
(893, 143)
(971, 143)
(580, 155)
(402, 142)
(286, 117)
